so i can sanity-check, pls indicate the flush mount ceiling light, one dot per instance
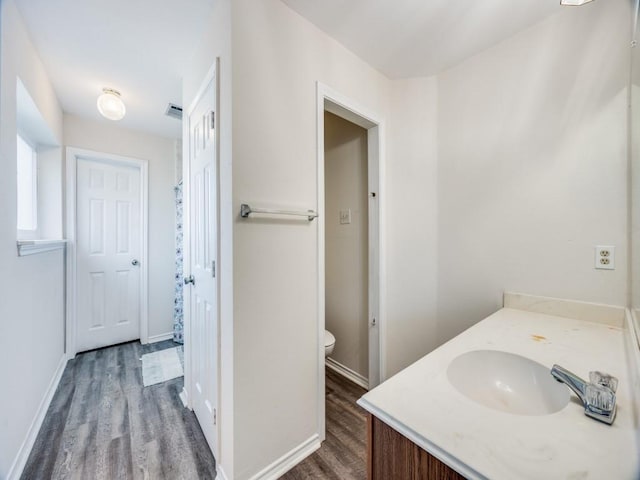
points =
(574, 2)
(110, 104)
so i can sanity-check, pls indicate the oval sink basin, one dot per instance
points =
(507, 382)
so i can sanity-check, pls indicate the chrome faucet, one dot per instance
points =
(598, 395)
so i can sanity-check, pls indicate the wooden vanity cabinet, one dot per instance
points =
(392, 456)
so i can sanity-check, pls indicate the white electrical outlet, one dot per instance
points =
(605, 257)
(345, 216)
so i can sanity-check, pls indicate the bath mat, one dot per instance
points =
(158, 367)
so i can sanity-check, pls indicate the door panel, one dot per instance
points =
(109, 236)
(122, 227)
(202, 341)
(98, 307)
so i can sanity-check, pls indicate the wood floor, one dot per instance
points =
(103, 424)
(343, 453)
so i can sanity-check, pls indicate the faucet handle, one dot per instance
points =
(604, 380)
(600, 403)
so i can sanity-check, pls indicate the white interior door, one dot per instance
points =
(109, 243)
(202, 341)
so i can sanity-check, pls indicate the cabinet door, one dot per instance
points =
(392, 455)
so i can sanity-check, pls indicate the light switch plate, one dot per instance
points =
(345, 216)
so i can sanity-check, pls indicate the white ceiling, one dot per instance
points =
(415, 38)
(138, 47)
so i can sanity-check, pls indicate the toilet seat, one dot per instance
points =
(329, 343)
(329, 339)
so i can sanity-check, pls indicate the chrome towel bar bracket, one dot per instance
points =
(246, 210)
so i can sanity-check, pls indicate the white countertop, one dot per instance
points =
(479, 442)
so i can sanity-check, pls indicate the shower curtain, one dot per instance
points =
(178, 314)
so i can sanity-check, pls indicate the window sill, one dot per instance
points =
(31, 247)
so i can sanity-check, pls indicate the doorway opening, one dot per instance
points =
(346, 248)
(350, 229)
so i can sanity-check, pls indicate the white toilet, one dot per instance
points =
(329, 343)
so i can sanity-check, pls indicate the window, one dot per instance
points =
(38, 179)
(27, 188)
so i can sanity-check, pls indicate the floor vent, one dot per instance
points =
(174, 111)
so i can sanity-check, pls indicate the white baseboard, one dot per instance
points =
(220, 475)
(25, 449)
(346, 372)
(289, 460)
(160, 338)
(184, 397)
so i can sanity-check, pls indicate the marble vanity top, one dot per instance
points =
(480, 442)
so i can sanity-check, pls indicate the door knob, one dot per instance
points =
(135, 262)
(189, 280)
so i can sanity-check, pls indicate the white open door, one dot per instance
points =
(201, 341)
(108, 253)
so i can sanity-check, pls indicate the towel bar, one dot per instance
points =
(246, 210)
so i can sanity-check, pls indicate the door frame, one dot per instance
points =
(73, 154)
(212, 74)
(334, 102)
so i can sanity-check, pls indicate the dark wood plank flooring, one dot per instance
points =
(103, 424)
(342, 455)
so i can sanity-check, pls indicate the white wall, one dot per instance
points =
(50, 195)
(31, 298)
(278, 56)
(277, 59)
(532, 166)
(108, 137)
(635, 180)
(411, 223)
(346, 245)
